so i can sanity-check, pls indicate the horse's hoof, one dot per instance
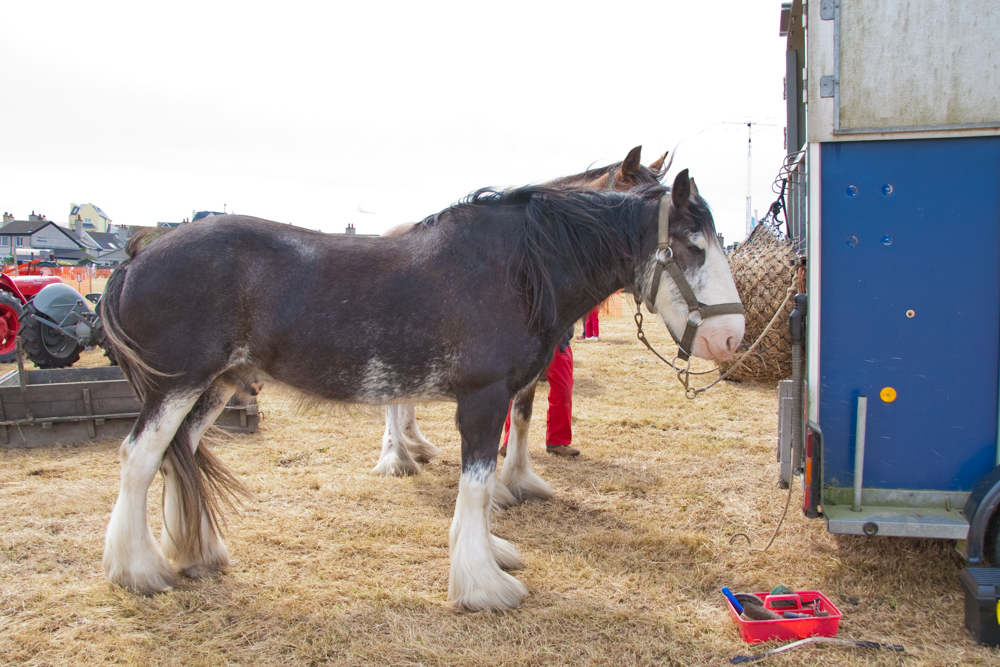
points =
(198, 571)
(504, 592)
(503, 498)
(423, 452)
(397, 468)
(505, 554)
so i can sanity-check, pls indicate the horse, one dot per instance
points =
(404, 446)
(466, 306)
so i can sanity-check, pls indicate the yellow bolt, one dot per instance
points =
(888, 394)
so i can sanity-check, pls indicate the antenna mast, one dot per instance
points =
(749, 124)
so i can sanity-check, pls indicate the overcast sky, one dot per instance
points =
(304, 112)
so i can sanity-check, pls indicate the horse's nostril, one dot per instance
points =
(731, 344)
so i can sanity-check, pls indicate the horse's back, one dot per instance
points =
(349, 318)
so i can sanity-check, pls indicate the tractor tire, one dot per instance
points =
(44, 346)
(10, 315)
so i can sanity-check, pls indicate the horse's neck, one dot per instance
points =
(573, 302)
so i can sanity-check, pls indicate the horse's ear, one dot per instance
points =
(631, 164)
(681, 191)
(657, 165)
(694, 188)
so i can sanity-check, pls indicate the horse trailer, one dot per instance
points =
(892, 201)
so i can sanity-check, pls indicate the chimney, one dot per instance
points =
(7, 217)
(32, 217)
(350, 229)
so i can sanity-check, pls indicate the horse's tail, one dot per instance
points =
(205, 485)
(139, 373)
(203, 482)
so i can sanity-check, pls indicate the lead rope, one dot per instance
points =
(684, 373)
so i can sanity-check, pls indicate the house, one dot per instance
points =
(91, 216)
(201, 215)
(107, 242)
(39, 233)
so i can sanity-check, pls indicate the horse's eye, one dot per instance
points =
(695, 250)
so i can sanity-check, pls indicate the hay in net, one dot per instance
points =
(762, 269)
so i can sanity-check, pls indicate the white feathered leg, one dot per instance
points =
(477, 582)
(396, 458)
(516, 474)
(131, 556)
(420, 448)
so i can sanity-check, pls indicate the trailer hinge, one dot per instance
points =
(826, 9)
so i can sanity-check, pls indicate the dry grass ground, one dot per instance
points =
(333, 565)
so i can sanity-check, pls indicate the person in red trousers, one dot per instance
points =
(591, 325)
(558, 427)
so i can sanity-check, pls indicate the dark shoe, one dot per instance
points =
(562, 450)
(503, 451)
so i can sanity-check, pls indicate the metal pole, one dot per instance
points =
(749, 168)
(859, 451)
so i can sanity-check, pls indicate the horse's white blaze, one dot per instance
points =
(131, 556)
(396, 458)
(516, 473)
(477, 582)
(718, 336)
(213, 554)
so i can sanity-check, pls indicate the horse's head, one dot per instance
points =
(693, 288)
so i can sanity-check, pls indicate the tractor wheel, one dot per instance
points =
(45, 346)
(10, 314)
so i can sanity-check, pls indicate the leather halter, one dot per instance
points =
(698, 312)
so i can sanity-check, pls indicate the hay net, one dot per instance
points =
(762, 269)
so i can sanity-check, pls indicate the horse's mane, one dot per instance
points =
(584, 231)
(644, 176)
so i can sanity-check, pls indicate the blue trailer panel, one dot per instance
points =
(910, 256)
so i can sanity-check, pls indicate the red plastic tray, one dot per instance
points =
(789, 628)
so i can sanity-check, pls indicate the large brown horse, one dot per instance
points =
(466, 306)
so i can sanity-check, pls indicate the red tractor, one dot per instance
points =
(15, 293)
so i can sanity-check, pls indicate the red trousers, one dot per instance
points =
(591, 326)
(558, 426)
